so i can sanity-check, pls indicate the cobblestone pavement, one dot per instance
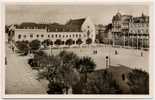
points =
(20, 78)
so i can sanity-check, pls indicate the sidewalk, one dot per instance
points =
(20, 78)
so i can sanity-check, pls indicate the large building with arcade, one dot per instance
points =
(74, 29)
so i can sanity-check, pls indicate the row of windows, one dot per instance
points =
(56, 36)
(140, 25)
(140, 31)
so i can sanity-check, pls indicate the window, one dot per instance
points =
(66, 35)
(52, 35)
(59, 36)
(37, 35)
(19, 36)
(73, 35)
(31, 36)
(79, 35)
(76, 35)
(56, 35)
(24, 36)
(63, 36)
(48, 35)
(42, 35)
(69, 35)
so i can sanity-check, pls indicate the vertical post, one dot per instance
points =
(124, 40)
(113, 39)
(132, 40)
(107, 62)
(137, 40)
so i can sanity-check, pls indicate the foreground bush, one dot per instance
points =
(98, 82)
(138, 82)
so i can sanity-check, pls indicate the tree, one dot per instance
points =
(47, 42)
(59, 72)
(69, 42)
(79, 41)
(89, 41)
(22, 46)
(138, 82)
(87, 65)
(57, 42)
(51, 43)
(35, 45)
(69, 57)
(40, 59)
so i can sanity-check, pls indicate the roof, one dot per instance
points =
(142, 19)
(73, 25)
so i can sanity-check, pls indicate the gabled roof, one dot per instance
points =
(74, 25)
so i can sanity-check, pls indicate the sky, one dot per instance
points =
(99, 14)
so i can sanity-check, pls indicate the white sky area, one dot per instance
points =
(99, 14)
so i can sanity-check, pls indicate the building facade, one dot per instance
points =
(104, 34)
(74, 29)
(129, 31)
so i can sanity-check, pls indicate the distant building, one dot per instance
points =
(129, 31)
(74, 29)
(104, 34)
(100, 33)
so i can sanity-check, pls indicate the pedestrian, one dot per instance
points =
(141, 53)
(5, 61)
(13, 48)
(116, 52)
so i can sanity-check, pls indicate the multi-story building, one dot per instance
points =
(129, 31)
(74, 29)
(139, 31)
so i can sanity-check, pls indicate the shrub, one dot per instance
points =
(69, 42)
(57, 42)
(138, 82)
(79, 41)
(22, 46)
(35, 45)
(99, 82)
(89, 41)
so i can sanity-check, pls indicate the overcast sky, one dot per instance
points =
(99, 14)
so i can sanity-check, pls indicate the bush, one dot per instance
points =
(22, 47)
(35, 45)
(58, 42)
(138, 82)
(69, 42)
(89, 41)
(79, 41)
(99, 82)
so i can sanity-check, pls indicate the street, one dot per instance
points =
(20, 78)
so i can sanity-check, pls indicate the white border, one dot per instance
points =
(72, 2)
